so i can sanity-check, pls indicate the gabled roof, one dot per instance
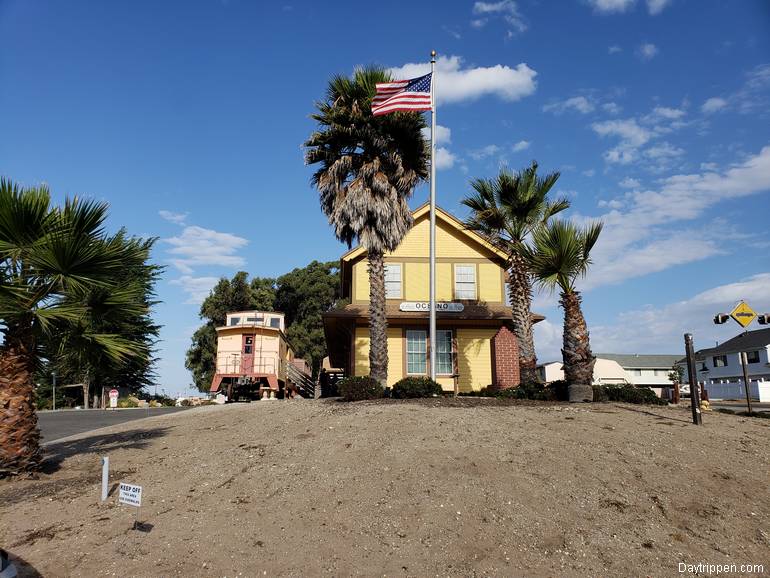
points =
(748, 341)
(636, 360)
(445, 217)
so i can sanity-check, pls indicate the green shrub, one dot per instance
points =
(559, 390)
(128, 402)
(416, 387)
(600, 393)
(185, 403)
(629, 394)
(360, 388)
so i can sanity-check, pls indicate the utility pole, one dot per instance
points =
(694, 392)
(746, 382)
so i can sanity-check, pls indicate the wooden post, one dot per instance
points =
(746, 382)
(694, 397)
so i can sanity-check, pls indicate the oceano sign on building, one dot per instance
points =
(425, 306)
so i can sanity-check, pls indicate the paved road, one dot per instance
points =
(61, 424)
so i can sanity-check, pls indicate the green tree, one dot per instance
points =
(368, 169)
(50, 258)
(303, 295)
(558, 257)
(506, 210)
(236, 294)
(123, 311)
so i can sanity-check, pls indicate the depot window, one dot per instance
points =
(444, 361)
(416, 352)
(393, 281)
(465, 282)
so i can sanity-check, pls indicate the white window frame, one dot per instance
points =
(423, 338)
(463, 293)
(439, 333)
(393, 294)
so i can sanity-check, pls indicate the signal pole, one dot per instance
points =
(697, 418)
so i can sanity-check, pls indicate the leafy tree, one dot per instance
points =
(236, 294)
(506, 210)
(303, 295)
(51, 258)
(559, 255)
(368, 169)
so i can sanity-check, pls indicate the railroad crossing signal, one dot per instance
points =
(743, 314)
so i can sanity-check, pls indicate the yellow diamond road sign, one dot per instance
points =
(743, 314)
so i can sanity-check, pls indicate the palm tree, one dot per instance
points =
(506, 210)
(48, 256)
(369, 167)
(558, 257)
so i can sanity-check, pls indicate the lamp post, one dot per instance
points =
(53, 375)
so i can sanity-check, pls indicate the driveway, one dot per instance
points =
(55, 425)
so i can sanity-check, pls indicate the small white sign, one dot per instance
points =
(425, 306)
(130, 495)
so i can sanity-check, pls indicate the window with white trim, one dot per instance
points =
(752, 357)
(416, 352)
(444, 361)
(393, 281)
(465, 281)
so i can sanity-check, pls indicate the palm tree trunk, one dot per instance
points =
(378, 322)
(520, 291)
(576, 353)
(19, 436)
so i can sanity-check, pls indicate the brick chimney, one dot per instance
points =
(505, 359)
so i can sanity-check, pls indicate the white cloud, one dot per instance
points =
(610, 6)
(708, 166)
(484, 152)
(664, 112)
(578, 103)
(589, 172)
(647, 51)
(614, 49)
(661, 329)
(457, 84)
(713, 104)
(656, 6)
(611, 108)
(176, 218)
(197, 288)
(198, 246)
(506, 9)
(522, 145)
(632, 136)
(663, 151)
(443, 134)
(625, 250)
(445, 159)
(629, 183)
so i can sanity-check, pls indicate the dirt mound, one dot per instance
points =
(451, 487)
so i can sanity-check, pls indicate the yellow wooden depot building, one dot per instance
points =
(475, 347)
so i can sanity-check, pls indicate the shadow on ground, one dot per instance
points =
(23, 568)
(76, 479)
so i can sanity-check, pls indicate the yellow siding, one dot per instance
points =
(449, 242)
(416, 281)
(490, 283)
(395, 353)
(474, 358)
(444, 291)
(361, 276)
(446, 383)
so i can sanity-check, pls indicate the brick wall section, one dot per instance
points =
(505, 359)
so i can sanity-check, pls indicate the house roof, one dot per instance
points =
(392, 311)
(748, 341)
(637, 360)
(442, 215)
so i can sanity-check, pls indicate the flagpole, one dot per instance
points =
(433, 216)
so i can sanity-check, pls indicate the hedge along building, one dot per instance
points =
(475, 346)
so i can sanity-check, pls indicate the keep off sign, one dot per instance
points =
(114, 398)
(130, 495)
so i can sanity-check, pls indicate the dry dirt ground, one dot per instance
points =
(467, 487)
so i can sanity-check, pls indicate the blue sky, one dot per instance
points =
(188, 118)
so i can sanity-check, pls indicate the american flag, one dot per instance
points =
(411, 94)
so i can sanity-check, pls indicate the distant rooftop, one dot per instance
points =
(748, 341)
(641, 360)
